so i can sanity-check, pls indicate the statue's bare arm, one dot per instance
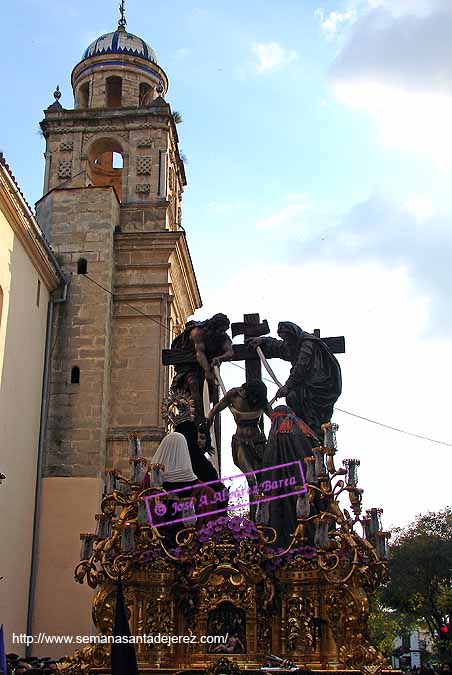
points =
(200, 351)
(227, 355)
(224, 403)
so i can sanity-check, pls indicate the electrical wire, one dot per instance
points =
(237, 365)
(367, 419)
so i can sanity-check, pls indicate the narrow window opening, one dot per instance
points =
(118, 162)
(84, 95)
(38, 293)
(113, 90)
(75, 375)
(82, 266)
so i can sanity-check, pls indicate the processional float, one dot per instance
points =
(304, 607)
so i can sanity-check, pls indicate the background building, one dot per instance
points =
(111, 210)
(29, 275)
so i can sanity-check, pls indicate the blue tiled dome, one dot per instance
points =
(120, 42)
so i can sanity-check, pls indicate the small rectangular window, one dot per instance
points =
(38, 293)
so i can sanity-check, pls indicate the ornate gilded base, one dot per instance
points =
(307, 604)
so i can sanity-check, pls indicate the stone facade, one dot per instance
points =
(115, 227)
(128, 231)
(29, 279)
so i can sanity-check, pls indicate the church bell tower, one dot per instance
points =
(111, 211)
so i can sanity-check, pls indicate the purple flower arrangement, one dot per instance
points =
(240, 528)
(236, 529)
(273, 563)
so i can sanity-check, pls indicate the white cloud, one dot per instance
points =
(332, 22)
(397, 67)
(288, 217)
(411, 234)
(420, 207)
(414, 122)
(391, 372)
(271, 56)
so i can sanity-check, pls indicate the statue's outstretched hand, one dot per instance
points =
(254, 343)
(282, 392)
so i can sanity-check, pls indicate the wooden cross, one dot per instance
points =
(250, 327)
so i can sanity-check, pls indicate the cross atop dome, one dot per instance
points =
(122, 23)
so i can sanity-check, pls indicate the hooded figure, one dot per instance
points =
(315, 381)
(178, 473)
(173, 454)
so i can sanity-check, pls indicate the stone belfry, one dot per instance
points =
(111, 210)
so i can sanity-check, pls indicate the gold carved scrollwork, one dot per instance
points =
(347, 613)
(158, 617)
(81, 662)
(239, 597)
(222, 666)
(104, 606)
(299, 624)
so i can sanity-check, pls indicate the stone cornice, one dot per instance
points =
(189, 275)
(25, 226)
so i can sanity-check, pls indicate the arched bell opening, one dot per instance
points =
(106, 164)
(113, 91)
(83, 95)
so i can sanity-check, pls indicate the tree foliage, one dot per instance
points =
(420, 571)
(385, 625)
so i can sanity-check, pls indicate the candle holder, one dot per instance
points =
(127, 538)
(310, 474)
(356, 500)
(321, 539)
(365, 522)
(103, 528)
(329, 435)
(329, 456)
(135, 443)
(87, 539)
(375, 525)
(142, 514)
(138, 469)
(381, 544)
(111, 481)
(156, 475)
(124, 486)
(320, 468)
(303, 507)
(351, 466)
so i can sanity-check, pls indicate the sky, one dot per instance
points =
(319, 163)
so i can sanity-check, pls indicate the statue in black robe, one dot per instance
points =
(290, 440)
(315, 381)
